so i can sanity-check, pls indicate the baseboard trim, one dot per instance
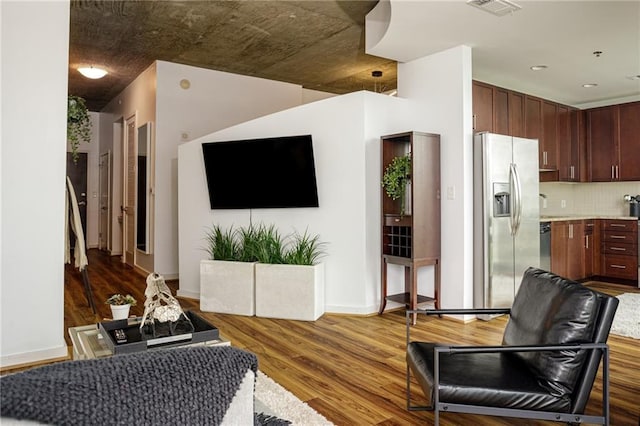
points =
(188, 294)
(24, 359)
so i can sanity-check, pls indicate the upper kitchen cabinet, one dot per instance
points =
(498, 110)
(629, 141)
(548, 145)
(571, 140)
(613, 143)
(482, 107)
(516, 114)
(501, 111)
(533, 118)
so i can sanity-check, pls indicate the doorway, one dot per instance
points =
(77, 172)
(104, 180)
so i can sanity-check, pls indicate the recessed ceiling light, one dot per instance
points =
(538, 67)
(587, 85)
(92, 72)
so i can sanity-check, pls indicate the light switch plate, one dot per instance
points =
(451, 192)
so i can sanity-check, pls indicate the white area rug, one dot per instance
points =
(627, 319)
(273, 399)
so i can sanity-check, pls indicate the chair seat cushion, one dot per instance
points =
(494, 379)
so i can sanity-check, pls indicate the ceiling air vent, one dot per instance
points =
(495, 7)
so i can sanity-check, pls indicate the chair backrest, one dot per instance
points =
(549, 309)
(607, 311)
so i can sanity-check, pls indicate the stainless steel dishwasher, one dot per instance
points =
(545, 246)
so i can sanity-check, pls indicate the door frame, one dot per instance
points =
(128, 225)
(104, 223)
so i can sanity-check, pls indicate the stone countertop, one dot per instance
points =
(559, 218)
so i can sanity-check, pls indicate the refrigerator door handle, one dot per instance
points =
(516, 211)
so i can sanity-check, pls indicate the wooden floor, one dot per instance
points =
(351, 369)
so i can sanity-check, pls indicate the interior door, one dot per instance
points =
(104, 236)
(77, 173)
(130, 165)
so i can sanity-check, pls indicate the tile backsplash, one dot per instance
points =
(601, 198)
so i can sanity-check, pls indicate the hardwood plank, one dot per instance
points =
(350, 368)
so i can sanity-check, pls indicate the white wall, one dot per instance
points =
(137, 100)
(213, 101)
(34, 37)
(346, 134)
(183, 102)
(440, 87)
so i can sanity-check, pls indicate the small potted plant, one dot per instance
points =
(120, 305)
(395, 179)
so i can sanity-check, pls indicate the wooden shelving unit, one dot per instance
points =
(412, 240)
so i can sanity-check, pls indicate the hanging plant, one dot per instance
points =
(395, 179)
(78, 124)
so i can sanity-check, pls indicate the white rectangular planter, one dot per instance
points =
(227, 287)
(290, 291)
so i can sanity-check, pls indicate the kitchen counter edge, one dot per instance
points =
(584, 217)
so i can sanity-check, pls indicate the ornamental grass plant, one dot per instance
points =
(264, 244)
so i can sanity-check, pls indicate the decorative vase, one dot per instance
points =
(119, 312)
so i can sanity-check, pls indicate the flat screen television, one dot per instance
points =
(261, 173)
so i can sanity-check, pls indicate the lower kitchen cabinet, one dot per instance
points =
(589, 245)
(619, 249)
(606, 248)
(568, 244)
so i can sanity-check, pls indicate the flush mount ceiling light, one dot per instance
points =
(92, 72)
(587, 85)
(538, 67)
(495, 7)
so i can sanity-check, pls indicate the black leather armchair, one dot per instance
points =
(545, 368)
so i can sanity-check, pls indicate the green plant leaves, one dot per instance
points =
(263, 244)
(395, 178)
(78, 124)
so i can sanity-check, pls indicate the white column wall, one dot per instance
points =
(35, 41)
(440, 87)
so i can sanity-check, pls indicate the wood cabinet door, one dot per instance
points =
(629, 143)
(566, 167)
(601, 144)
(588, 249)
(482, 107)
(548, 143)
(501, 112)
(516, 114)
(579, 143)
(559, 238)
(575, 251)
(533, 122)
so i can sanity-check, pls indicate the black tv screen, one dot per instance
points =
(261, 173)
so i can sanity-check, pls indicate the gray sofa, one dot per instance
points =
(189, 385)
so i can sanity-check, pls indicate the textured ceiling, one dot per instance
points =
(317, 44)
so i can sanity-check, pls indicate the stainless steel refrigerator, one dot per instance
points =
(506, 216)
